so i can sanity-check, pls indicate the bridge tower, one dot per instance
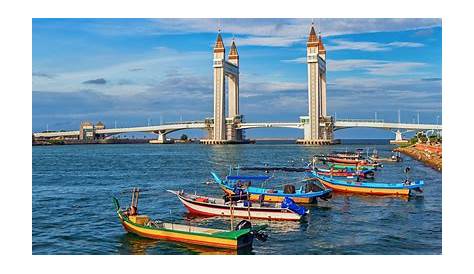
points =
(225, 127)
(233, 83)
(318, 127)
(219, 90)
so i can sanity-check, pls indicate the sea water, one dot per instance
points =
(73, 211)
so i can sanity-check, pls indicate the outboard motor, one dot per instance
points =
(289, 189)
(291, 205)
(243, 225)
(368, 174)
(312, 187)
(259, 235)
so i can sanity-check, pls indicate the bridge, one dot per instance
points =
(228, 127)
(164, 129)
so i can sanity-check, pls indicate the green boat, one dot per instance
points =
(240, 237)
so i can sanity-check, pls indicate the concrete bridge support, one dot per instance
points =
(161, 138)
(398, 138)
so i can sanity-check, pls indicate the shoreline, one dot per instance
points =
(431, 159)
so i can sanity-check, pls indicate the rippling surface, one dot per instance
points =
(73, 211)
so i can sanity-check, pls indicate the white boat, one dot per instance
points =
(209, 206)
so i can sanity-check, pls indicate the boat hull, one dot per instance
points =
(346, 161)
(274, 198)
(365, 190)
(280, 214)
(352, 166)
(189, 238)
(362, 189)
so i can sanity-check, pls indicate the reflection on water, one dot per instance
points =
(136, 245)
(224, 223)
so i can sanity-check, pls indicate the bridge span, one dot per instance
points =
(160, 129)
(164, 129)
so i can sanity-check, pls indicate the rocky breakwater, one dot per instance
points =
(431, 155)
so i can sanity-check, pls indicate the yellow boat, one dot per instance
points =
(371, 188)
(142, 225)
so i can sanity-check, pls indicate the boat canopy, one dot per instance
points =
(248, 177)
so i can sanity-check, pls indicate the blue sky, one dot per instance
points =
(132, 70)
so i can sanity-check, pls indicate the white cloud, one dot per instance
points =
(139, 75)
(299, 60)
(269, 41)
(369, 46)
(372, 67)
(375, 67)
(292, 27)
(262, 32)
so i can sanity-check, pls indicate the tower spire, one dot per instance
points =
(219, 46)
(312, 39)
(233, 51)
(322, 49)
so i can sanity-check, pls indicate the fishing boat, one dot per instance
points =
(354, 167)
(373, 188)
(239, 207)
(341, 163)
(306, 194)
(393, 159)
(363, 174)
(347, 161)
(240, 237)
(340, 155)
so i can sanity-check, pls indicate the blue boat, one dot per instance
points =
(306, 194)
(373, 188)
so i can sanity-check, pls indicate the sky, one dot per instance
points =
(131, 72)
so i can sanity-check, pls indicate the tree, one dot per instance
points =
(184, 137)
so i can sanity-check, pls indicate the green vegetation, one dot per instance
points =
(184, 137)
(56, 142)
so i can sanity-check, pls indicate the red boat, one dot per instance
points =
(347, 161)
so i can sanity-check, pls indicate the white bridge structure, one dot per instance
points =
(318, 127)
(163, 130)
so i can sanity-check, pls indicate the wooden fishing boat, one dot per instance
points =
(347, 161)
(209, 206)
(393, 159)
(307, 194)
(142, 225)
(340, 155)
(363, 174)
(372, 188)
(354, 167)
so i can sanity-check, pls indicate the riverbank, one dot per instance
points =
(428, 155)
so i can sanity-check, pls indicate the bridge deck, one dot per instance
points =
(167, 128)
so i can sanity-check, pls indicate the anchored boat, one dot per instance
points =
(142, 225)
(354, 167)
(373, 188)
(238, 206)
(363, 174)
(306, 194)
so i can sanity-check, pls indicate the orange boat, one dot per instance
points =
(371, 188)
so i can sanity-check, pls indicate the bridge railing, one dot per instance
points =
(361, 120)
(182, 122)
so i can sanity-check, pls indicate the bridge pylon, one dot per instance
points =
(318, 127)
(224, 129)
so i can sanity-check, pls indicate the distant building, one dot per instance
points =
(87, 130)
(99, 125)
